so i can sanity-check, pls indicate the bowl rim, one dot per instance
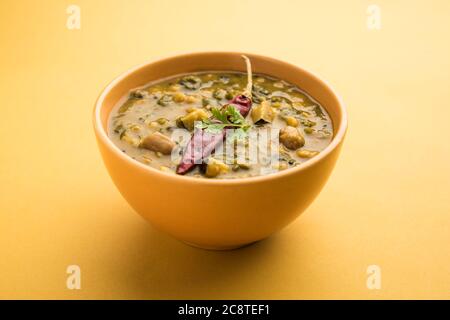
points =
(103, 136)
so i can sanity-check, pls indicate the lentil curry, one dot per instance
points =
(143, 122)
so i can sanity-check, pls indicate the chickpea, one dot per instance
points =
(151, 123)
(191, 99)
(154, 90)
(193, 116)
(135, 128)
(130, 140)
(215, 167)
(162, 121)
(174, 87)
(146, 159)
(165, 169)
(304, 114)
(291, 121)
(276, 104)
(281, 166)
(306, 153)
(179, 97)
(279, 85)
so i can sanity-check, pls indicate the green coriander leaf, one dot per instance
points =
(215, 128)
(234, 115)
(229, 117)
(219, 114)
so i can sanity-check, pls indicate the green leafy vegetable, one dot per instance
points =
(118, 129)
(219, 94)
(308, 123)
(127, 105)
(165, 100)
(318, 111)
(260, 90)
(227, 117)
(191, 82)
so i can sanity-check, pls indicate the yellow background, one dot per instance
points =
(387, 202)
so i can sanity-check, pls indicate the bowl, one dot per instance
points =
(218, 213)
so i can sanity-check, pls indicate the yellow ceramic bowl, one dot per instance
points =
(215, 213)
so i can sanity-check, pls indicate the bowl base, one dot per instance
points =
(218, 248)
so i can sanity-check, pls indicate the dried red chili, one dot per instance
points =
(203, 143)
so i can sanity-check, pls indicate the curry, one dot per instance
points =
(220, 125)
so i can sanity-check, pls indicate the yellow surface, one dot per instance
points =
(387, 202)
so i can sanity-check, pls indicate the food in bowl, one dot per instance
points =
(217, 106)
(218, 213)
